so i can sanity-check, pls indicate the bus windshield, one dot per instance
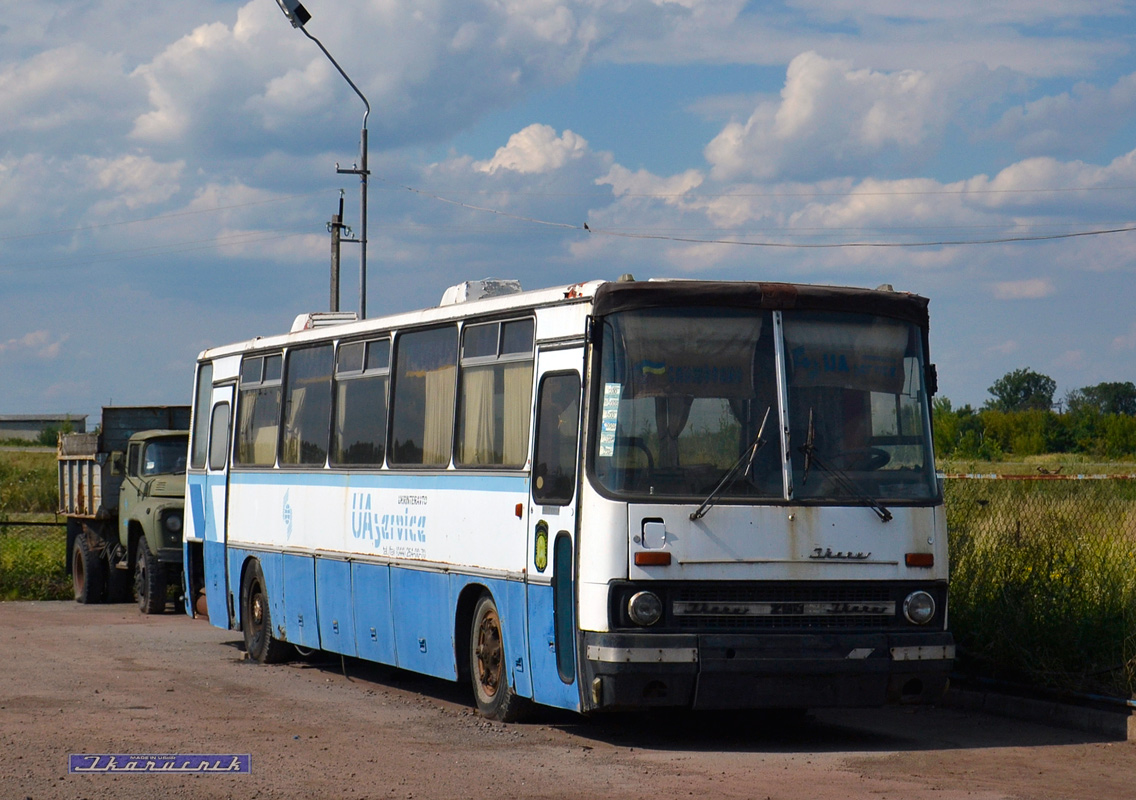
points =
(684, 392)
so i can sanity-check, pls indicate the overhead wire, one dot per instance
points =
(654, 234)
(585, 227)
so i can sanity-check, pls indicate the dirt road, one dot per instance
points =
(102, 679)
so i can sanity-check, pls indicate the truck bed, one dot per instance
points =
(87, 488)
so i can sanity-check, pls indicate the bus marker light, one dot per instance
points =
(920, 559)
(520, 510)
(652, 559)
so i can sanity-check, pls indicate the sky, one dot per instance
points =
(168, 170)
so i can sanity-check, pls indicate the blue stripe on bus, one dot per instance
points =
(452, 481)
(398, 616)
(550, 690)
(334, 598)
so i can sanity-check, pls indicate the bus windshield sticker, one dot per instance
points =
(609, 417)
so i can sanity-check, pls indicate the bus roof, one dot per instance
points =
(612, 296)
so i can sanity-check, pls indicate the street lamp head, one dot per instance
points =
(295, 12)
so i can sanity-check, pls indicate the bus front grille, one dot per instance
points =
(783, 608)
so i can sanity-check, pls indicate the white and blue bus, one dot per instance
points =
(609, 495)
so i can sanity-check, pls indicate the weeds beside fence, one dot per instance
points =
(33, 561)
(1043, 571)
(33, 557)
(1043, 580)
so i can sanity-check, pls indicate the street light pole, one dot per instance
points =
(299, 16)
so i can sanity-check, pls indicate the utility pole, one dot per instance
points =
(299, 17)
(335, 228)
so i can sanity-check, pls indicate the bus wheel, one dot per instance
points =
(149, 580)
(88, 572)
(488, 669)
(256, 620)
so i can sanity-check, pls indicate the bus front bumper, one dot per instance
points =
(734, 671)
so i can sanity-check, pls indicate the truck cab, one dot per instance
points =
(150, 506)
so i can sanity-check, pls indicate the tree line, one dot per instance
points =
(1021, 418)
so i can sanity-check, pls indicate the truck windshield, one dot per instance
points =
(165, 456)
(683, 393)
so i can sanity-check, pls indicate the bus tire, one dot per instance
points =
(149, 580)
(88, 572)
(256, 619)
(488, 669)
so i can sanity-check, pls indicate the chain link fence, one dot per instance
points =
(1043, 577)
(1043, 580)
(33, 560)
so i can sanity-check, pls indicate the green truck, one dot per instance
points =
(122, 491)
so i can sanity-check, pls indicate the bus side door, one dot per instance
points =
(215, 499)
(550, 576)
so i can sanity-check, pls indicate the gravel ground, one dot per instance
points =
(103, 679)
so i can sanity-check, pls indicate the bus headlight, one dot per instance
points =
(919, 608)
(644, 608)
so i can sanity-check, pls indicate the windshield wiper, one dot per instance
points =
(747, 457)
(808, 450)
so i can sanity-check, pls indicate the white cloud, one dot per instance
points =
(1029, 289)
(626, 183)
(59, 88)
(135, 181)
(1066, 123)
(41, 344)
(1005, 348)
(1070, 359)
(536, 149)
(834, 119)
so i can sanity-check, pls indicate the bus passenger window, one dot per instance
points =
(425, 372)
(307, 407)
(259, 411)
(219, 436)
(557, 432)
(200, 418)
(359, 432)
(495, 394)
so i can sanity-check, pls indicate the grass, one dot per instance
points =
(1043, 582)
(33, 559)
(29, 482)
(33, 563)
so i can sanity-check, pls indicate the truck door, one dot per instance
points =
(551, 572)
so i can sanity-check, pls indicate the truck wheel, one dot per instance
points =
(488, 669)
(88, 572)
(149, 581)
(256, 620)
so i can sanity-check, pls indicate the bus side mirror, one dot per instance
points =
(932, 380)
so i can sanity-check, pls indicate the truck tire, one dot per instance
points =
(88, 572)
(149, 581)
